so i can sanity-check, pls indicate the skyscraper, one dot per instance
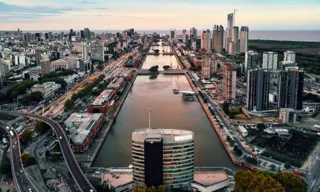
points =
(206, 66)
(230, 25)
(229, 80)
(289, 56)
(252, 60)
(258, 90)
(217, 38)
(235, 41)
(163, 157)
(87, 33)
(193, 33)
(270, 60)
(184, 36)
(244, 36)
(206, 40)
(172, 34)
(290, 89)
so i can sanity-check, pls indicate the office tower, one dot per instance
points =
(229, 79)
(289, 56)
(206, 40)
(38, 56)
(131, 32)
(184, 36)
(163, 157)
(97, 51)
(46, 36)
(193, 33)
(258, 90)
(71, 32)
(172, 35)
(38, 36)
(87, 33)
(206, 66)
(82, 36)
(85, 51)
(50, 36)
(217, 38)
(235, 41)
(27, 37)
(251, 60)
(230, 25)
(270, 60)
(244, 36)
(290, 89)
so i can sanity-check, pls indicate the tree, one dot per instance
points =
(225, 107)
(36, 96)
(287, 165)
(5, 166)
(26, 136)
(42, 127)
(248, 181)
(166, 67)
(291, 182)
(69, 104)
(130, 57)
(100, 67)
(74, 97)
(28, 160)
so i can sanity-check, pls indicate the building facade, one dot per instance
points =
(163, 157)
(97, 51)
(289, 56)
(230, 25)
(47, 89)
(193, 33)
(290, 90)
(45, 67)
(217, 38)
(257, 90)
(244, 36)
(270, 60)
(229, 80)
(206, 40)
(101, 103)
(206, 66)
(172, 35)
(252, 60)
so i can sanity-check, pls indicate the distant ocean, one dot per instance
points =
(282, 35)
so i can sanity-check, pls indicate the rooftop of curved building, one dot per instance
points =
(162, 132)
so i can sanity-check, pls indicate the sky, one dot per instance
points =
(157, 15)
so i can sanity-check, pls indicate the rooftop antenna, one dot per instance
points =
(150, 117)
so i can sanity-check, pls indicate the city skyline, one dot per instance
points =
(162, 15)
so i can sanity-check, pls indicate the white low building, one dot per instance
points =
(47, 89)
(243, 131)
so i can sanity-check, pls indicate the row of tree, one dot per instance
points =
(267, 181)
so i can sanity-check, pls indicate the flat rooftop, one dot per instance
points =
(122, 180)
(158, 133)
(102, 98)
(115, 82)
(80, 125)
(210, 178)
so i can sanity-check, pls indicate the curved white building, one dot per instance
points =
(163, 157)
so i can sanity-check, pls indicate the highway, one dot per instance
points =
(66, 150)
(20, 178)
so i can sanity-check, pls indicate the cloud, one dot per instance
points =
(88, 2)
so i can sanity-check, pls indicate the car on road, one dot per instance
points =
(30, 190)
(21, 171)
(26, 181)
(60, 138)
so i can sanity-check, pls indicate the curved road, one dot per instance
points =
(70, 160)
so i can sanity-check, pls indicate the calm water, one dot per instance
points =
(168, 111)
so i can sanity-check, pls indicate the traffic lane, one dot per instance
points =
(75, 170)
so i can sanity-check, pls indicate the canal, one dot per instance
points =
(168, 111)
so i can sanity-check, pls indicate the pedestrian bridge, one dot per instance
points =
(166, 72)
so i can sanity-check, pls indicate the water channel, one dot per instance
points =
(168, 111)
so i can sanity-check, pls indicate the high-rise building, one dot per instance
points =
(193, 33)
(172, 35)
(230, 25)
(229, 80)
(87, 33)
(258, 90)
(46, 36)
(45, 66)
(38, 56)
(85, 51)
(217, 38)
(38, 36)
(289, 56)
(290, 89)
(270, 60)
(184, 36)
(234, 44)
(27, 37)
(97, 51)
(244, 36)
(206, 66)
(82, 36)
(252, 60)
(206, 40)
(163, 157)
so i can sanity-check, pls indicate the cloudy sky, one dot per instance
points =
(160, 14)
